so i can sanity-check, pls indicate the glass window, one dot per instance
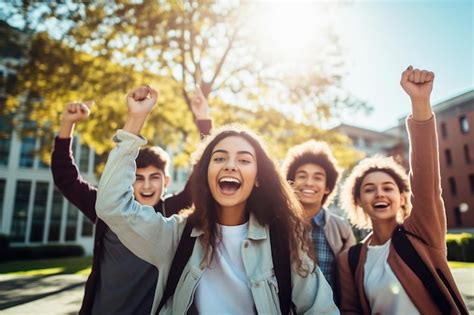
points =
(20, 211)
(4, 150)
(71, 222)
(2, 196)
(448, 157)
(5, 136)
(39, 212)
(444, 131)
(87, 227)
(97, 160)
(55, 218)
(464, 124)
(467, 154)
(84, 159)
(471, 183)
(452, 186)
(27, 151)
(2, 82)
(368, 142)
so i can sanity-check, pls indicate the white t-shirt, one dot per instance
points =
(385, 293)
(223, 288)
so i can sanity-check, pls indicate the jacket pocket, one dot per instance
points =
(272, 287)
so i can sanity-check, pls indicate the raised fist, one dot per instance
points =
(141, 101)
(77, 111)
(417, 83)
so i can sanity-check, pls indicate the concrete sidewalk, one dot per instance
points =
(55, 294)
(62, 294)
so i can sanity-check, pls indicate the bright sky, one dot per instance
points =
(383, 37)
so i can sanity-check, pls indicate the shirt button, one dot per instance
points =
(246, 244)
(257, 285)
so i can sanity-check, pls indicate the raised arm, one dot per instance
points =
(200, 108)
(146, 233)
(66, 175)
(428, 218)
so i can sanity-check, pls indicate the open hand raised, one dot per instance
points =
(199, 104)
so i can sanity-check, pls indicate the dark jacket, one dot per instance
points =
(83, 195)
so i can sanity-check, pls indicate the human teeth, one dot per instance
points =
(308, 191)
(380, 204)
(229, 180)
(147, 194)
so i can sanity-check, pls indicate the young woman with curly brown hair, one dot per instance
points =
(382, 278)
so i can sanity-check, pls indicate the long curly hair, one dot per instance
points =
(350, 191)
(272, 202)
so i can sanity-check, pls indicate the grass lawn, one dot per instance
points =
(71, 265)
(82, 266)
(460, 264)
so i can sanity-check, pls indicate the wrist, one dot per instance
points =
(421, 110)
(202, 117)
(66, 129)
(134, 124)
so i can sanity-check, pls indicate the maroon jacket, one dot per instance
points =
(83, 195)
(427, 230)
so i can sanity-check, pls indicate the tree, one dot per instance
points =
(101, 49)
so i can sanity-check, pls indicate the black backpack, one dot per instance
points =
(280, 257)
(410, 256)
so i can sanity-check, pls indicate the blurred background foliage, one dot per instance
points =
(99, 50)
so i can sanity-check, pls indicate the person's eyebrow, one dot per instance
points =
(238, 152)
(384, 183)
(246, 152)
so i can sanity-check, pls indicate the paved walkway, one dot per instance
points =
(62, 294)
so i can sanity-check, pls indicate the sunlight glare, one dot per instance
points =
(291, 31)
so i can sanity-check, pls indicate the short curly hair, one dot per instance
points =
(350, 191)
(313, 152)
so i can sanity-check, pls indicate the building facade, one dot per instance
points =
(32, 210)
(455, 119)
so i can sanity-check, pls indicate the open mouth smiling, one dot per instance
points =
(380, 205)
(147, 194)
(308, 191)
(229, 185)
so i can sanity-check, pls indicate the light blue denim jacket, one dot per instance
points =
(155, 239)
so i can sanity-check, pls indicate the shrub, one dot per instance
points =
(460, 247)
(44, 251)
(4, 245)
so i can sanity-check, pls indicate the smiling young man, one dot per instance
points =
(312, 170)
(120, 282)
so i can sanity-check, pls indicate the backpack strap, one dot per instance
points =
(181, 257)
(353, 256)
(410, 256)
(282, 268)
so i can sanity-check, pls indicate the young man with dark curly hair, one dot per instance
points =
(313, 172)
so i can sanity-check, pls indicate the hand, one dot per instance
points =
(76, 111)
(141, 101)
(418, 84)
(199, 104)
